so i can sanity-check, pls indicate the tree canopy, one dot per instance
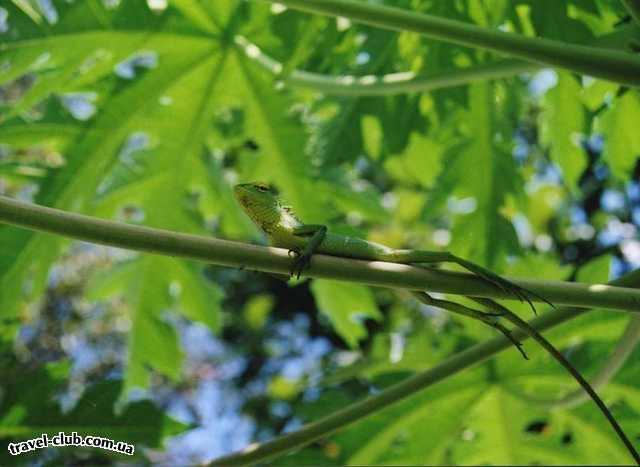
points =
(503, 131)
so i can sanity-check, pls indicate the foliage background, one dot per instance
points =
(149, 112)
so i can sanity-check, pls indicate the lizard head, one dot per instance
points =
(260, 203)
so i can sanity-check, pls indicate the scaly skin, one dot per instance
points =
(285, 230)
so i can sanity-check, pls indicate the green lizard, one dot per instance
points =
(285, 230)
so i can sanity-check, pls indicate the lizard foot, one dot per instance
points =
(506, 333)
(300, 263)
(491, 318)
(510, 288)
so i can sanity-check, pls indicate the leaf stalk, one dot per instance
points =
(617, 66)
(277, 260)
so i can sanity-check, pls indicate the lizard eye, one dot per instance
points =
(262, 187)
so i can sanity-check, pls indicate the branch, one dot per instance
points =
(613, 65)
(277, 260)
(451, 366)
(388, 84)
(407, 81)
(633, 6)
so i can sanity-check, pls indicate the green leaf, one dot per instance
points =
(108, 282)
(29, 408)
(348, 200)
(152, 341)
(139, 109)
(386, 438)
(497, 435)
(21, 134)
(256, 310)
(278, 133)
(619, 127)
(539, 267)
(552, 20)
(493, 177)
(596, 271)
(91, 155)
(166, 144)
(372, 136)
(597, 93)
(204, 18)
(198, 299)
(476, 419)
(563, 122)
(346, 306)
(420, 162)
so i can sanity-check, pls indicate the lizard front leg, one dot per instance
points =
(316, 234)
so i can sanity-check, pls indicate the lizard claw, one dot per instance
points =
(506, 333)
(491, 318)
(301, 263)
(518, 345)
(508, 287)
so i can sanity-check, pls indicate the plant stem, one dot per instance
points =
(451, 366)
(277, 260)
(388, 84)
(613, 65)
(407, 82)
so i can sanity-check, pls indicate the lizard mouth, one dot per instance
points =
(239, 191)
